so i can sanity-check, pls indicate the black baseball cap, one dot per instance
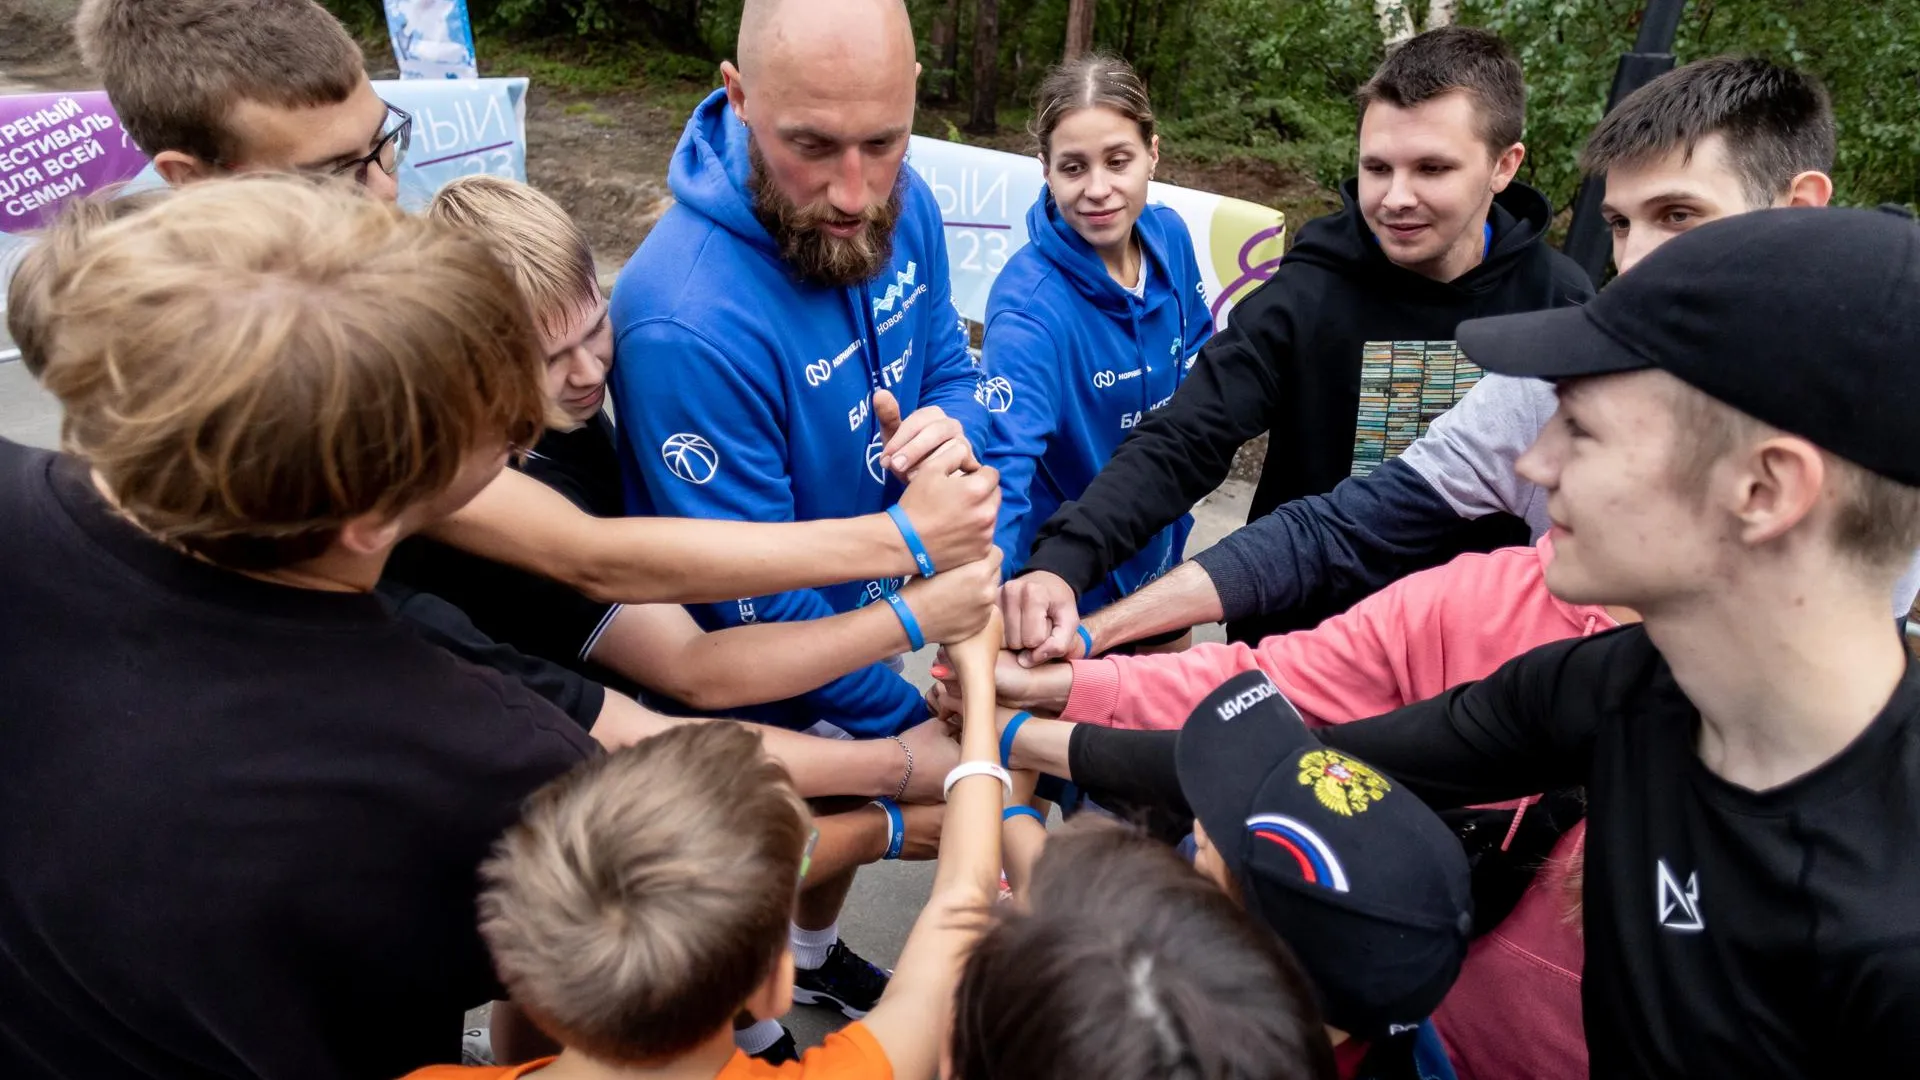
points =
(1804, 318)
(1364, 883)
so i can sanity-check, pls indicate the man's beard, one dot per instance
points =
(816, 255)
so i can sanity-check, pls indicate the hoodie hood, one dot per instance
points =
(1343, 243)
(708, 173)
(1069, 252)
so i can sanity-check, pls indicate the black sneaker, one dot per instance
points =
(782, 1049)
(844, 982)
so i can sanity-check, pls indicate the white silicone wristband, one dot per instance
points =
(976, 768)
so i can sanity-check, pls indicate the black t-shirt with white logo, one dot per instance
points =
(1728, 932)
(240, 823)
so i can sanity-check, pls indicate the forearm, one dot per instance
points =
(821, 766)
(774, 661)
(848, 840)
(520, 521)
(1022, 839)
(1042, 746)
(1184, 597)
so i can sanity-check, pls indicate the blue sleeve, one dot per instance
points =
(951, 380)
(1018, 348)
(713, 446)
(1331, 549)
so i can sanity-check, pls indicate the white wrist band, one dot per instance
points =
(976, 768)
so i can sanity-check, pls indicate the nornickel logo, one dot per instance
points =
(690, 457)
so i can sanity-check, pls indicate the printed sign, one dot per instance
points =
(984, 196)
(432, 39)
(56, 146)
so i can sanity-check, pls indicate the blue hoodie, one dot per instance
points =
(1078, 362)
(745, 393)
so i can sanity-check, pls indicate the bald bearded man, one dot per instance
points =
(765, 331)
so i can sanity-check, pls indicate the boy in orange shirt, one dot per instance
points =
(642, 904)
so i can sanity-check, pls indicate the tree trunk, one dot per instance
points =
(1440, 13)
(984, 118)
(944, 38)
(1080, 15)
(1396, 21)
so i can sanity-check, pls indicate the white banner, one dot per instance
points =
(984, 196)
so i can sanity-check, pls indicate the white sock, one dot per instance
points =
(810, 947)
(752, 1040)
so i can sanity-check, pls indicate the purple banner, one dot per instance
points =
(55, 146)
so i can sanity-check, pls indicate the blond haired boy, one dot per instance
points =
(245, 805)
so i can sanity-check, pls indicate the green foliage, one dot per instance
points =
(1275, 78)
(1868, 54)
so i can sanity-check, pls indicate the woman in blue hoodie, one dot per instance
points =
(1094, 323)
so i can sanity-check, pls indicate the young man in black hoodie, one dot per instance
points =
(1347, 353)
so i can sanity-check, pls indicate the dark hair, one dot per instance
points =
(175, 69)
(1129, 965)
(1778, 122)
(1096, 80)
(1456, 58)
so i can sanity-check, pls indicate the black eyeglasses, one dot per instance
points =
(388, 153)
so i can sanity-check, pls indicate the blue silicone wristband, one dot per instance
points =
(1012, 812)
(912, 625)
(896, 827)
(1006, 737)
(911, 535)
(1086, 639)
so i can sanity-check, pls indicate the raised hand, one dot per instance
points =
(1042, 615)
(927, 441)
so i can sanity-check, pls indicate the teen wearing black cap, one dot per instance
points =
(1730, 458)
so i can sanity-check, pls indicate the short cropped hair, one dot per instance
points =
(1876, 520)
(1456, 58)
(175, 69)
(534, 238)
(251, 364)
(1777, 122)
(29, 290)
(1129, 965)
(646, 895)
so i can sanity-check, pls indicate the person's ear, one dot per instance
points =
(1779, 482)
(736, 89)
(772, 999)
(1507, 166)
(177, 168)
(1153, 156)
(1810, 188)
(370, 534)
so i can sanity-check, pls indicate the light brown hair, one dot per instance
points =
(1096, 80)
(174, 69)
(1876, 520)
(57, 245)
(1451, 58)
(1129, 965)
(533, 237)
(250, 364)
(644, 896)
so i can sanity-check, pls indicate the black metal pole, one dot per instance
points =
(1652, 56)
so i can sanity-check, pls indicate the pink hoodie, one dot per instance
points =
(1514, 1014)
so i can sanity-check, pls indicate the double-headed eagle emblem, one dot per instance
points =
(1342, 784)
